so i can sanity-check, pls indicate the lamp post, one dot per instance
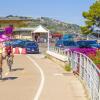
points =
(97, 30)
(48, 45)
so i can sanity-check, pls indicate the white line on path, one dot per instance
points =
(42, 79)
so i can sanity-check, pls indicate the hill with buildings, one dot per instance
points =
(55, 25)
(52, 24)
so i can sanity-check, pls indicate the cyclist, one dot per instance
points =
(9, 53)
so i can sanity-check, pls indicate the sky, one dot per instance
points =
(69, 11)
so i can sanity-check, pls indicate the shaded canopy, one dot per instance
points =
(40, 29)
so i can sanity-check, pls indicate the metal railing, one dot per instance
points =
(86, 69)
(58, 50)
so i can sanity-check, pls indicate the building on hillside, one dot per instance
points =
(39, 33)
(23, 33)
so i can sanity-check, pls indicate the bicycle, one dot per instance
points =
(9, 62)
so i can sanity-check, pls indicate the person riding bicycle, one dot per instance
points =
(9, 50)
(9, 53)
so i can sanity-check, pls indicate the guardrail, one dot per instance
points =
(58, 50)
(86, 69)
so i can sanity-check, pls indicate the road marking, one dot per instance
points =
(42, 79)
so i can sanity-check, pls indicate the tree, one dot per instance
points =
(92, 18)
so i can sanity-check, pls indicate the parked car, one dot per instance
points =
(87, 43)
(77, 44)
(66, 44)
(31, 46)
(67, 37)
(97, 45)
(14, 43)
(59, 43)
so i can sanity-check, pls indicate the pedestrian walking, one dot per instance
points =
(1, 51)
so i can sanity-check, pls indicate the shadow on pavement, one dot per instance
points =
(17, 69)
(67, 74)
(9, 78)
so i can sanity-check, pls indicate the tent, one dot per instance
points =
(40, 32)
(40, 29)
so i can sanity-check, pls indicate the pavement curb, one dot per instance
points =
(57, 61)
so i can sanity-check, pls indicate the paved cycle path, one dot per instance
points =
(58, 84)
(24, 81)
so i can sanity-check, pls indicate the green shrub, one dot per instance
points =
(67, 67)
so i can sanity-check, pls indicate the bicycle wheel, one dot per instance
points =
(10, 62)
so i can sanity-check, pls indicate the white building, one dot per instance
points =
(31, 33)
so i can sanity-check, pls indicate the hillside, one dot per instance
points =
(51, 24)
(55, 25)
